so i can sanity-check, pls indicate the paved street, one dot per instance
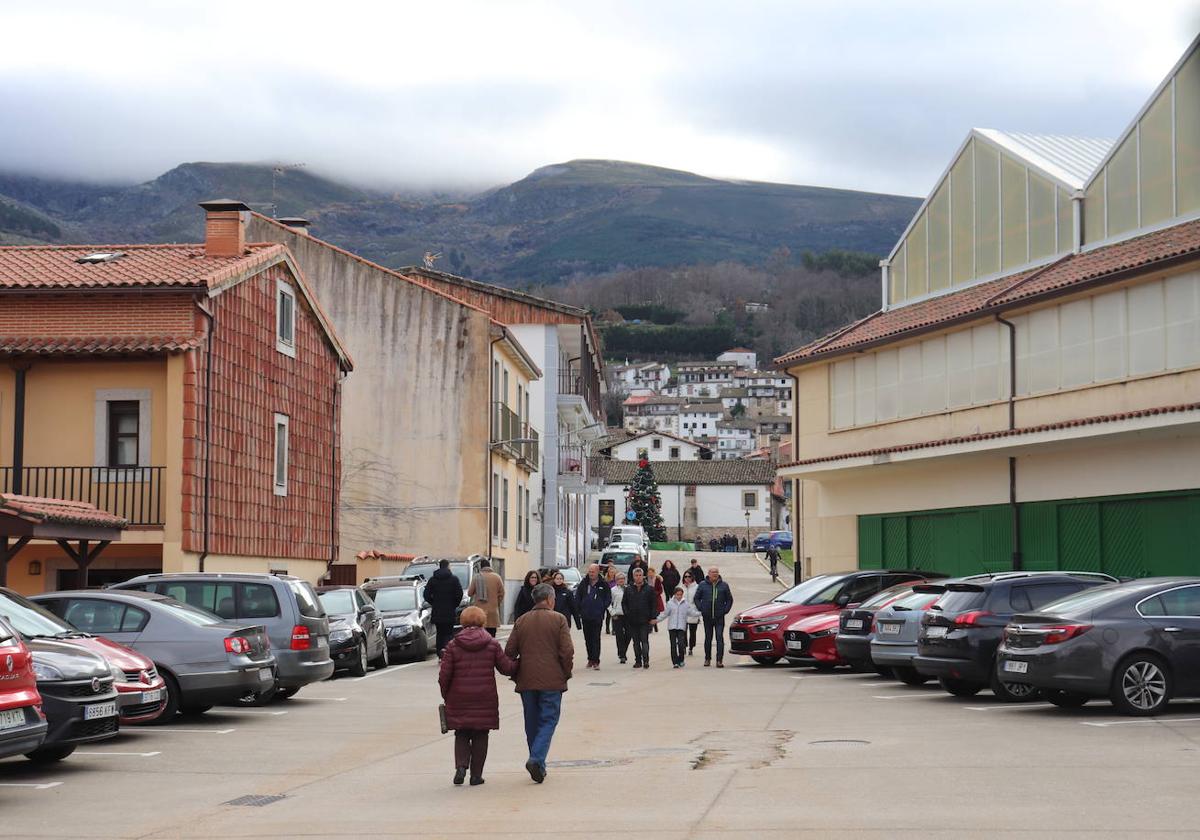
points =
(746, 752)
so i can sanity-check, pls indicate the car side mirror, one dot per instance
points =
(842, 600)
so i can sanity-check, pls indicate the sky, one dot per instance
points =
(454, 94)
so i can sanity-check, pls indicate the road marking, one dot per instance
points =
(923, 696)
(196, 731)
(329, 699)
(1143, 720)
(247, 712)
(139, 754)
(393, 669)
(1009, 707)
(44, 786)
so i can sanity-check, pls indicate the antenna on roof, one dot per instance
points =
(277, 170)
(430, 258)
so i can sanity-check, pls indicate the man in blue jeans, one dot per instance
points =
(541, 643)
(714, 601)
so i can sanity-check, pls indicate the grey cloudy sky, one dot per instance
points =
(867, 95)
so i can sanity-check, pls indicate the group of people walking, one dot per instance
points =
(726, 542)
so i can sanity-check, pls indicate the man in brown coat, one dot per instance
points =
(487, 592)
(541, 643)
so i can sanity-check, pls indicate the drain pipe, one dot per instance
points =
(208, 368)
(18, 454)
(1012, 461)
(487, 463)
(334, 478)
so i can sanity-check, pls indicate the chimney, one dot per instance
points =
(224, 228)
(295, 224)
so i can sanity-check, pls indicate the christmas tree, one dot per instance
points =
(645, 501)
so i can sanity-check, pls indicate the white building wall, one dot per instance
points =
(541, 343)
(628, 451)
(721, 505)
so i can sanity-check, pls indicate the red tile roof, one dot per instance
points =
(102, 345)
(1072, 272)
(44, 511)
(140, 266)
(1002, 433)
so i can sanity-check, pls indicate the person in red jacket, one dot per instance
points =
(469, 690)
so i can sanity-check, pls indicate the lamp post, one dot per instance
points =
(749, 546)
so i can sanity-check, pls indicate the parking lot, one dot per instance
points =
(749, 751)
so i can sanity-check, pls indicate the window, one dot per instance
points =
(495, 504)
(656, 443)
(281, 454)
(285, 319)
(504, 522)
(520, 514)
(1181, 602)
(526, 515)
(123, 428)
(521, 405)
(749, 499)
(256, 600)
(97, 616)
(504, 393)
(675, 452)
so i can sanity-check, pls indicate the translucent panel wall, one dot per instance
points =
(1156, 186)
(918, 279)
(1042, 219)
(987, 210)
(1093, 210)
(939, 239)
(1187, 136)
(962, 221)
(1121, 197)
(1066, 221)
(1014, 229)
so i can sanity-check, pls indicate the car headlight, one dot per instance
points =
(820, 634)
(340, 635)
(767, 618)
(42, 671)
(766, 628)
(117, 674)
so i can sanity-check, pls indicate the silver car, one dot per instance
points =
(894, 643)
(205, 661)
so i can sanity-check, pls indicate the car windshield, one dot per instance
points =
(306, 599)
(1085, 601)
(426, 570)
(188, 613)
(338, 601)
(886, 596)
(30, 619)
(571, 575)
(395, 598)
(621, 558)
(800, 593)
(955, 601)
(765, 536)
(915, 601)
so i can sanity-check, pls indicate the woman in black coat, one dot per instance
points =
(564, 600)
(670, 577)
(524, 602)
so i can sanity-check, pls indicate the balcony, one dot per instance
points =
(579, 397)
(134, 493)
(572, 463)
(514, 439)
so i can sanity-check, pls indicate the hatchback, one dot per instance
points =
(856, 626)
(961, 631)
(893, 641)
(1136, 643)
(356, 634)
(286, 606)
(407, 618)
(773, 539)
(22, 723)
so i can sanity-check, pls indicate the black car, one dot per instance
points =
(407, 619)
(961, 631)
(356, 632)
(856, 627)
(1136, 643)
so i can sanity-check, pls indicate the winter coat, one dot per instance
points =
(540, 641)
(615, 606)
(638, 563)
(564, 604)
(670, 579)
(714, 600)
(674, 614)
(659, 599)
(689, 597)
(467, 682)
(639, 605)
(487, 592)
(591, 602)
(698, 574)
(444, 593)
(523, 602)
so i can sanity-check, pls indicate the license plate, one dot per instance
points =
(322, 642)
(12, 718)
(736, 634)
(854, 624)
(792, 644)
(100, 710)
(1014, 667)
(935, 632)
(889, 629)
(265, 675)
(152, 696)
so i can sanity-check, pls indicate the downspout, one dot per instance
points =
(208, 368)
(1013, 506)
(797, 487)
(335, 479)
(18, 457)
(491, 415)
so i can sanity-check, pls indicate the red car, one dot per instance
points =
(22, 724)
(141, 692)
(813, 640)
(758, 631)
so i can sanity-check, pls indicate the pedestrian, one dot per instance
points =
(610, 577)
(697, 571)
(745, 545)
(592, 597)
(714, 600)
(773, 560)
(712, 544)
(616, 610)
(690, 586)
(639, 605)
(443, 592)
(541, 643)
(639, 562)
(486, 591)
(564, 600)
(469, 692)
(524, 600)
(675, 615)
(670, 576)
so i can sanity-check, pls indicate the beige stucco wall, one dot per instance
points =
(519, 557)
(415, 456)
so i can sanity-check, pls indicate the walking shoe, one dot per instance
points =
(637, 664)
(476, 780)
(720, 664)
(460, 773)
(536, 771)
(691, 652)
(676, 665)
(707, 662)
(622, 661)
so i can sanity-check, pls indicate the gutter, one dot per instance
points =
(487, 461)
(208, 368)
(335, 479)
(797, 486)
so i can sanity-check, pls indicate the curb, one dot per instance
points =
(767, 569)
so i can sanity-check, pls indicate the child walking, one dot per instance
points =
(690, 585)
(675, 613)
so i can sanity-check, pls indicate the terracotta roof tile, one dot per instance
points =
(40, 510)
(96, 345)
(1059, 277)
(688, 472)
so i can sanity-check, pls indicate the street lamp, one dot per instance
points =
(749, 545)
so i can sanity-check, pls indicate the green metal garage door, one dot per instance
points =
(1135, 536)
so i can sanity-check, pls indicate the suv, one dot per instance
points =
(758, 632)
(22, 724)
(287, 606)
(407, 619)
(423, 568)
(961, 631)
(356, 634)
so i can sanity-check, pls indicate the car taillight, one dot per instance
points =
(1060, 633)
(301, 638)
(237, 644)
(969, 619)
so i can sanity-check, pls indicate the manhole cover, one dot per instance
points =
(839, 742)
(254, 801)
(581, 762)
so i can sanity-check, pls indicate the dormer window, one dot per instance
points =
(285, 319)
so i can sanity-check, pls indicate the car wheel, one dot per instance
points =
(1011, 692)
(49, 755)
(824, 666)
(1065, 699)
(1141, 685)
(359, 666)
(766, 660)
(960, 688)
(171, 686)
(285, 693)
(421, 649)
(882, 670)
(262, 698)
(193, 710)
(910, 676)
(385, 658)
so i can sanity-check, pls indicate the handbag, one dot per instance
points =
(442, 718)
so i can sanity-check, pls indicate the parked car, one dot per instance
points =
(1136, 643)
(571, 574)
(893, 641)
(407, 619)
(464, 570)
(961, 631)
(757, 632)
(356, 633)
(850, 643)
(286, 606)
(621, 556)
(635, 534)
(773, 539)
(22, 722)
(203, 660)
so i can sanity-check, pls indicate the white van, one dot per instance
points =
(630, 533)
